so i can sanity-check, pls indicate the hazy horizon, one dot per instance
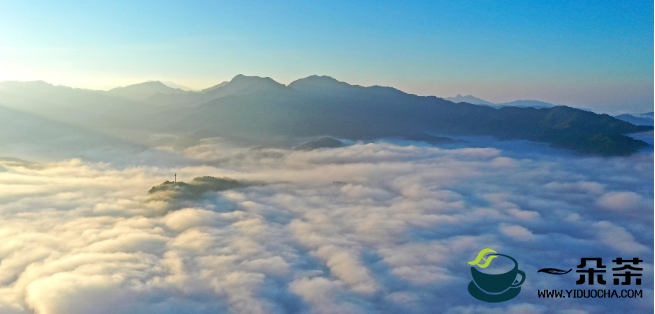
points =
(175, 85)
(615, 108)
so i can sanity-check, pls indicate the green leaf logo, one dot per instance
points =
(481, 258)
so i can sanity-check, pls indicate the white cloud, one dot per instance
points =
(369, 228)
(618, 238)
(516, 232)
(623, 201)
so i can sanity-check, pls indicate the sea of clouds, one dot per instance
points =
(368, 228)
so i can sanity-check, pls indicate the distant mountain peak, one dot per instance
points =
(314, 81)
(469, 99)
(239, 78)
(637, 119)
(318, 78)
(141, 91)
(142, 84)
(241, 85)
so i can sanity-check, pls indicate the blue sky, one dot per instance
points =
(597, 55)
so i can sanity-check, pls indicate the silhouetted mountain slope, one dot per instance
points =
(469, 99)
(61, 103)
(636, 120)
(249, 107)
(319, 86)
(142, 91)
(517, 103)
(242, 85)
(323, 142)
(239, 85)
(317, 106)
(55, 138)
(214, 87)
(177, 86)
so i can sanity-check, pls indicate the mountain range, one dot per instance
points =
(261, 110)
(143, 91)
(645, 118)
(517, 103)
(634, 118)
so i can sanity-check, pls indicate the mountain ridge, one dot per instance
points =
(469, 99)
(142, 91)
(261, 108)
(361, 113)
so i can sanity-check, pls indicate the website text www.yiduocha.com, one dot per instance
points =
(590, 293)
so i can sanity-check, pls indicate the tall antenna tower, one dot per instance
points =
(175, 177)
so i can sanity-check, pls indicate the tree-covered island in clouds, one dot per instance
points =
(260, 110)
(195, 188)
